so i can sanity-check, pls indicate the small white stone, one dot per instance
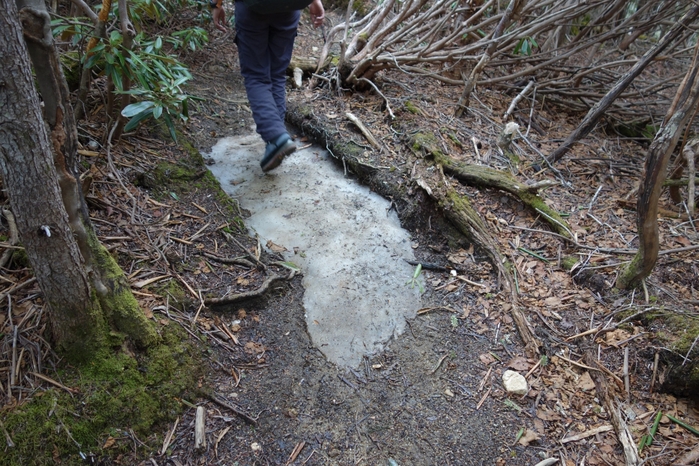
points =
(256, 447)
(515, 382)
(511, 128)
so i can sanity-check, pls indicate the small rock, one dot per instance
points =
(256, 447)
(515, 382)
(334, 453)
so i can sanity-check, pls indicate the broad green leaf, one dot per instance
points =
(170, 126)
(136, 108)
(133, 123)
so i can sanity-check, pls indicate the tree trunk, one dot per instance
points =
(82, 283)
(32, 183)
(678, 116)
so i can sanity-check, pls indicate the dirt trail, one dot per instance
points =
(435, 395)
(426, 399)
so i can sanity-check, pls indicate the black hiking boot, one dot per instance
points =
(276, 150)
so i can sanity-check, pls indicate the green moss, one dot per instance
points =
(454, 139)
(568, 262)
(117, 392)
(70, 61)
(120, 307)
(425, 142)
(173, 289)
(684, 329)
(350, 149)
(412, 108)
(20, 258)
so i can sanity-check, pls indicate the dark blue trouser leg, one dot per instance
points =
(265, 43)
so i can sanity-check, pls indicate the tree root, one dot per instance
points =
(248, 294)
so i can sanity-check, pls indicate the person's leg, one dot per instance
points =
(254, 52)
(281, 44)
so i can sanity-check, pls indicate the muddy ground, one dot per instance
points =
(413, 404)
(436, 396)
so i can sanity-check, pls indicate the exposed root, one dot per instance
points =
(248, 294)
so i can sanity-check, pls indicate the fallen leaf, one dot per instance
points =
(109, 443)
(487, 358)
(275, 247)
(617, 336)
(519, 363)
(547, 415)
(553, 301)
(585, 382)
(254, 348)
(528, 437)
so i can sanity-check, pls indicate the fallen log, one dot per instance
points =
(485, 177)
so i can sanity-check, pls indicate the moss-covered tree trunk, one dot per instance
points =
(85, 288)
(679, 114)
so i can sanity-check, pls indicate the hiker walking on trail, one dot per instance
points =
(265, 33)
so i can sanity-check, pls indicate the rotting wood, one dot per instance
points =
(168, 437)
(587, 433)
(611, 406)
(200, 429)
(689, 458)
(307, 64)
(365, 131)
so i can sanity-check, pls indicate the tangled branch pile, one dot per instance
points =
(575, 50)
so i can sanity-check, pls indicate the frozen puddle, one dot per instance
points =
(350, 248)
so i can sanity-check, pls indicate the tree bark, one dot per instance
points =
(481, 176)
(85, 288)
(678, 116)
(30, 177)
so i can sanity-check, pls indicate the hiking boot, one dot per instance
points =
(276, 150)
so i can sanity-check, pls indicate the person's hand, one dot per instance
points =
(317, 13)
(219, 16)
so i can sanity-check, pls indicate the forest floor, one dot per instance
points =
(435, 396)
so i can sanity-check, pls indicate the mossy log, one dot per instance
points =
(485, 177)
(459, 211)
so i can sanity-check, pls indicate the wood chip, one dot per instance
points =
(587, 433)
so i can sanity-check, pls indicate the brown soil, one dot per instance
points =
(435, 396)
